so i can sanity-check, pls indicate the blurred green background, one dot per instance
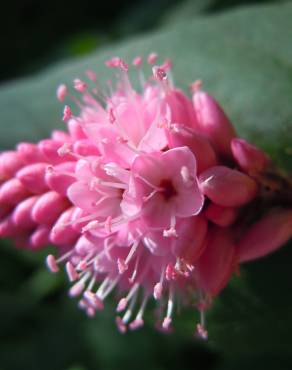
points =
(250, 325)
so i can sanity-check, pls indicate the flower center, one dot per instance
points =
(169, 190)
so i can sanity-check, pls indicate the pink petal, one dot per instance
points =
(81, 196)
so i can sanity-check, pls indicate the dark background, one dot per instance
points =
(40, 328)
(35, 33)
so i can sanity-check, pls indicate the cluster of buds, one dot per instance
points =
(149, 194)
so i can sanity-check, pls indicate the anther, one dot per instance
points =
(61, 92)
(157, 291)
(80, 85)
(195, 86)
(170, 233)
(201, 332)
(52, 263)
(71, 272)
(122, 265)
(152, 58)
(67, 113)
(64, 149)
(159, 73)
(91, 75)
(137, 61)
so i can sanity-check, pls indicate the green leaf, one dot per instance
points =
(244, 57)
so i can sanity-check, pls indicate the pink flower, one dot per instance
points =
(147, 193)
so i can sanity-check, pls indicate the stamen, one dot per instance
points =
(110, 288)
(170, 272)
(120, 325)
(116, 185)
(62, 92)
(67, 113)
(71, 272)
(201, 331)
(187, 178)
(158, 288)
(129, 311)
(111, 116)
(122, 266)
(135, 271)
(102, 287)
(132, 251)
(138, 322)
(52, 263)
(108, 224)
(90, 226)
(159, 73)
(78, 287)
(111, 169)
(93, 300)
(91, 75)
(157, 188)
(168, 319)
(90, 312)
(152, 58)
(65, 149)
(171, 232)
(80, 85)
(157, 291)
(124, 301)
(137, 62)
(196, 86)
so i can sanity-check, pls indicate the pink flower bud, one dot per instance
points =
(221, 216)
(63, 234)
(266, 235)
(199, 145)
(40, 237)
(59, 179)
(49, 207)
(250, 158)
(227, 187)
(85, 148)
(181, 108)
(10, 162)
(33, 177)
(75, 130)
(217, 262)
(7, 228)
(30, 153)
(21, 215)
(12, 192)
(49, 148)
(213, 122)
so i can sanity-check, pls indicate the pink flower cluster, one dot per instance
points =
(147, 193)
